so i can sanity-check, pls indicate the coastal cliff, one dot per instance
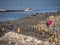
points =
(33, 30)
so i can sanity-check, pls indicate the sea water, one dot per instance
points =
(37, 6)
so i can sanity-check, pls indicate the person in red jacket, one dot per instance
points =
(48, 23)
(51, 23)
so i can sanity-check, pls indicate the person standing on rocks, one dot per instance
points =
(50, 23)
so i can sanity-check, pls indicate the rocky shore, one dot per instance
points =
(33, 30)
(12, 38)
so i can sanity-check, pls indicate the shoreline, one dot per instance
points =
(43, 13)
